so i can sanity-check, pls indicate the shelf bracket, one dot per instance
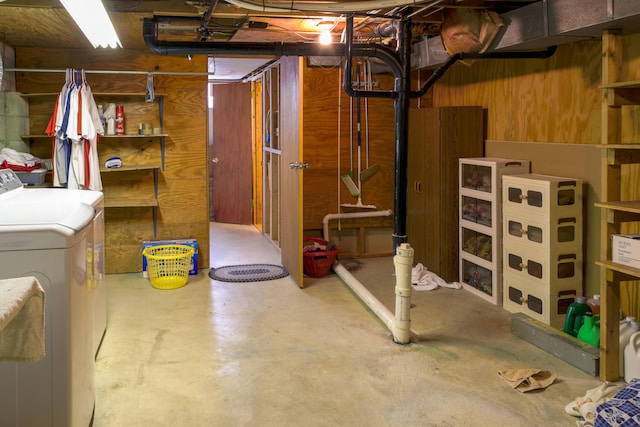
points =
(155, 182)
(160, 99)
(154, 211)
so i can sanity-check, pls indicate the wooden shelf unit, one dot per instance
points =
(126, 202)
(615, 94)
(159, 98)
(120, 201)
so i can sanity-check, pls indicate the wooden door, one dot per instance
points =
(230, 158)
(291, 178)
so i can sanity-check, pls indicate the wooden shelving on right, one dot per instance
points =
(621, 148)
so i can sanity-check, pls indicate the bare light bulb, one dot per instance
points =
(325, 37)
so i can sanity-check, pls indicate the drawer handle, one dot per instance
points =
(523, 299)
(523, 197)
(524, 231)
(522, 266)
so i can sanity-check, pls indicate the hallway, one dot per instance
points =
(272, 354)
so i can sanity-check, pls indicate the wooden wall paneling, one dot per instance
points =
(325, 102)
(553, 100)
(182, 191)
(418, 77)
(320, 112)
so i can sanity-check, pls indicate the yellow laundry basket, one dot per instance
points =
(168, 265)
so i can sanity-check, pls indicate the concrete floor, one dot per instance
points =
(272, 354)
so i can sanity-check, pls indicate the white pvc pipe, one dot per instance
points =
(400, 324)
(403, 262)
(363, 293)
(329, 217)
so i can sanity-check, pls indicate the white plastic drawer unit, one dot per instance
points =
(477, 243)
(480, 218)
(484, 173)
(476, 276)
(477, 210)
(541, 193)
(476, 177)
(546, 305)
(543, 268)
(559, 231)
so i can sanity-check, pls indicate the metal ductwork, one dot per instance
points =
(544, 24)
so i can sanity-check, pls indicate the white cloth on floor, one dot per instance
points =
(586, 405)
(21, 320)
(424, 280)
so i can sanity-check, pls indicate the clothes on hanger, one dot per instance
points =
(75, 127)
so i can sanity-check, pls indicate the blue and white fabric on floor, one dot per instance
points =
(623, 410)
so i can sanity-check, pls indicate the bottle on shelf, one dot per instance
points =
(632, 358)
(103, 119)
(119, 119)
(575, 313)
(594, 303)
(628, 326)
(110, 115)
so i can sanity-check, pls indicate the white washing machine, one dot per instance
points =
(57, 236)
(95, 250)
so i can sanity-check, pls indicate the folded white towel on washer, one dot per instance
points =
(21, 320)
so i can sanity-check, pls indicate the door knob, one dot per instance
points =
(215, 160)
(297, 165)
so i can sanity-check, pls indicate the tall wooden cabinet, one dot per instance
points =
(438, 138)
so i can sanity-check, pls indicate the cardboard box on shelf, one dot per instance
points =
(625, 249)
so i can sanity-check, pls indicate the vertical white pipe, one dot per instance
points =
(403, 261)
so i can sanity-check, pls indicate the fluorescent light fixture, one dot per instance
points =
(92, 18)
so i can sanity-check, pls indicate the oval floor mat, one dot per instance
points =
(248, 273)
